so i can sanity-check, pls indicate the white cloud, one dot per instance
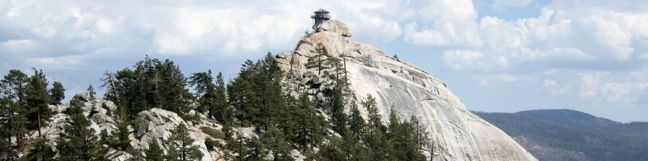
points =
(578, 40)
(555, 88)
(624, 87)
(181, 27)
(511, 3)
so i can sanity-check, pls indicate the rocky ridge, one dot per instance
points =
(455, 132)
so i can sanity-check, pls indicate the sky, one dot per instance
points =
(496, 55)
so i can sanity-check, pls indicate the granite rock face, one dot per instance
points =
(455, 133)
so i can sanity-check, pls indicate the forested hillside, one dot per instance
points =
(285, 126)
(567, 135)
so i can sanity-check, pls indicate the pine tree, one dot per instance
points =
(173, 90)
(309, 129)
(79, 142)
(357, 124)
(333, 151)
(119, 138)
(154, 152)
(205, 88)
(402, 136)
(223, 112)
(91, 92)
(12, 113)
(40, 152)
(276, 143)
(57, 93)
(243, 95)
(375, 122)
(6, 150)
(338, 116)
(37, 100)
(110, 83)
(181, 148)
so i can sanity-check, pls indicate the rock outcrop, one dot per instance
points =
(455, 132)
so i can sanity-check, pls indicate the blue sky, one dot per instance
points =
(497, 55)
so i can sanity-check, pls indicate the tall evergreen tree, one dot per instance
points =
(338, 114)
(242, 95)
(357, 124)
(79, 142)
(205, 88)
(154, 152)
(181, 148)
(13, 108)
(38, 101)
(174, 94)
(276, 143)
(309, 129)
(41, 151)
(223, 112)
(57, 93)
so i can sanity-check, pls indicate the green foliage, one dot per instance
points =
(256, 94)
(57, 93)
(41, 151)
(254, 98)
(91, 92)
(154, 152)
(38, 100)
(78, 142)
(308, 129)
(151, 84)
(401, 140)
(211, 96)
(337, 104)
(181, 148)
(276, 143)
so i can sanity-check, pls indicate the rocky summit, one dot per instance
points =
(455, 133)
(323, 61)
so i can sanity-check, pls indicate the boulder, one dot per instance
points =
(335, 26)
(454, 132)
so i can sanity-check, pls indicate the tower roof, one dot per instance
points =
(321, 14)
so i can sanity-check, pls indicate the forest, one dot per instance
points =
(330, 130)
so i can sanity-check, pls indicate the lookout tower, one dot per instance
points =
(320, 16)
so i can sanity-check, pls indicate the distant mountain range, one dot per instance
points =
(568, 135)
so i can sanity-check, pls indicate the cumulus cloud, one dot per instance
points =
(61, 28)
(624, 87)
(578, 47)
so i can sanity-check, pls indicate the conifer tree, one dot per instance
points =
(181, 148)
(333, 151)
(6, 149)
(37, 100)
(173, 91)
(242, 95)
(120, 138)
(78, 142)
(110, 83)
(57, 93)
(276, 143)
(91, 92)
(154, 152)
(223, 112)
(12, 112)
(338, 116)
(40, 152)
(357, 124)
(309, 130)
(205, 88)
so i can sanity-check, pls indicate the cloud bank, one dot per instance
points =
(585, 49)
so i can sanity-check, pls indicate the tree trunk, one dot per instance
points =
(39, 126)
